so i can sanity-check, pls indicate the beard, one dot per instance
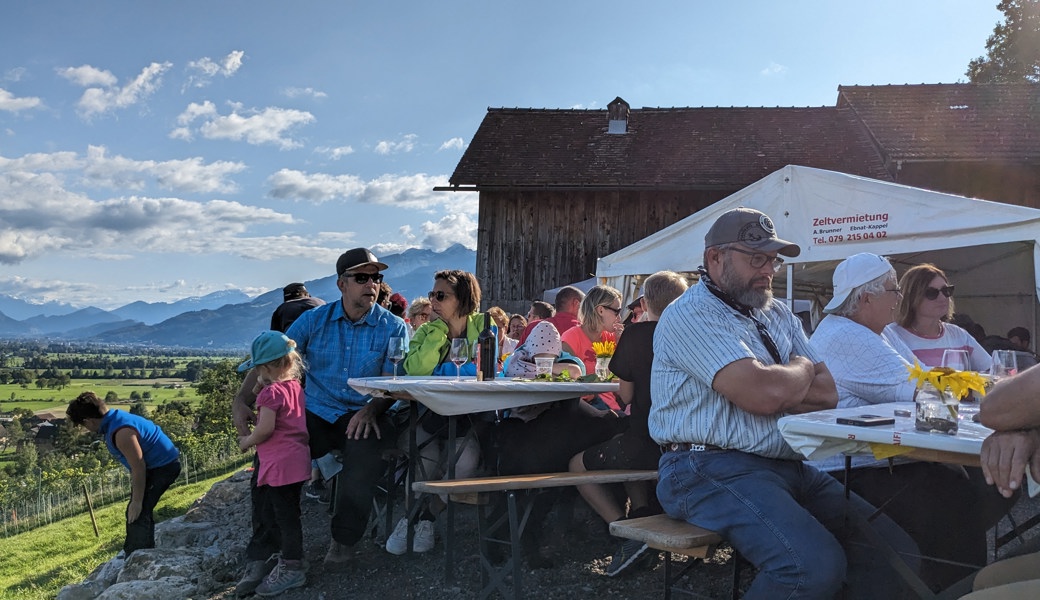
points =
(743, 291)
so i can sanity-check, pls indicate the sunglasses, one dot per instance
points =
(438, 296)
(617, 311)
(362, 278)
(933, 293)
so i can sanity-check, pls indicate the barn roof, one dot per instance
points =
(950, 121)
(673, 148)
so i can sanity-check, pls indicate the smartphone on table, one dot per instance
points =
(866, 420)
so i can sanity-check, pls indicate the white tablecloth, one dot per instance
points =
(445, 396)
(817, 435)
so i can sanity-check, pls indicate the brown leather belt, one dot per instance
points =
(688, 447)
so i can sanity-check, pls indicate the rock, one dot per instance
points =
(164, 588)
(195, 554)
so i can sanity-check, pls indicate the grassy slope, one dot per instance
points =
(36, 564)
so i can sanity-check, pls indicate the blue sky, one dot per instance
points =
(153, 151)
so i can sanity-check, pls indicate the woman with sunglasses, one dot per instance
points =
(599, 313)
(923, 320)
(455, 302)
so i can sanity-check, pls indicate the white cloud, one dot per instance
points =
(186, 175)
(457, 228)
(267, 126)
(412, 191)
(334, 153)
(15, 74)
(202, 71)
(405, 144)
(10, 103)
(98, 169)
(295, 92)
(41, 214)
(454, 143)
(773, 70)
(86, 76)
(288, 184)
(99, 100)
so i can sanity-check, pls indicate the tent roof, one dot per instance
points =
(834, 215)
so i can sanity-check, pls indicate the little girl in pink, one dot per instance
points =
(280, 437)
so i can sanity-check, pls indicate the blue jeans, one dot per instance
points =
(787, 518)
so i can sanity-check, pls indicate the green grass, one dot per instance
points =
(36, 564)
(36, 399)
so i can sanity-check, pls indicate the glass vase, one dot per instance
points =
(936, 410)
(603, 367)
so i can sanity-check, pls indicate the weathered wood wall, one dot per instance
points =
(1009, 183)
(530, 241)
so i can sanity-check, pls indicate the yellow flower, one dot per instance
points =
(604, 349)
(958, 382)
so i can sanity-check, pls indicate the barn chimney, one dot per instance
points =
(617, 116)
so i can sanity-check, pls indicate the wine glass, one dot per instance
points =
(1005, 363)
(459, 355)
(395, 352)
(956, 359)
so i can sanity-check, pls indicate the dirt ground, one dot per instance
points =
(575, 540)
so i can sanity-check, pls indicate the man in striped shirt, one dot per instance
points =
(729, 360)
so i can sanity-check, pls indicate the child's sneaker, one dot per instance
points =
(287, 574)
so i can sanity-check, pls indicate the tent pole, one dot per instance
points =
(790, 287)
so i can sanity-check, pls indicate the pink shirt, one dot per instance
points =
(285, 457)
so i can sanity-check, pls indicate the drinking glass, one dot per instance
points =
(543, 365)
(395, 352)
(956, 359)
(1005, 363)
(459, 355)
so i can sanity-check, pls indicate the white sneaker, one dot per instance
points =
(397, 543)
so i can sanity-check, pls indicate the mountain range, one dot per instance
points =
(228, 319)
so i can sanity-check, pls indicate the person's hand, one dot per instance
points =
(363, 424)
(243, 443)
(1004, 457)
(133, 511)
(242, 417)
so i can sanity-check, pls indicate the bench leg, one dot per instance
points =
(493, 577)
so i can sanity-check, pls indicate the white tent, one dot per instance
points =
(989, 250)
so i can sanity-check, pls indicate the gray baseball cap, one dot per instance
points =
(751, 228)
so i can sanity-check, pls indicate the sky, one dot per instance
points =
(159, 150)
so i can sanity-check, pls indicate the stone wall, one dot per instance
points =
(196, 554)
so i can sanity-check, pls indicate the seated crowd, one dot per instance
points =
(704, 375)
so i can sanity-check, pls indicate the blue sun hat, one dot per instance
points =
(268, 346)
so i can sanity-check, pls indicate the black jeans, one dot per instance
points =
(266, 539)
(280, 512)
(141, 533)
(363, 466)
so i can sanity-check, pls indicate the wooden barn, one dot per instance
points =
(559, 188)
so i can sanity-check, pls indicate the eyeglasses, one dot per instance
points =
(898, 290)
(759, 260)
(362, 278)
(933, 293)
(423, 316)
(438, 296)
(617, 311)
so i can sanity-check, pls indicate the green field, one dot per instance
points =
(37, 564)
(36, 399)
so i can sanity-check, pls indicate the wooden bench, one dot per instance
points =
(493, 577)
(673, 536)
